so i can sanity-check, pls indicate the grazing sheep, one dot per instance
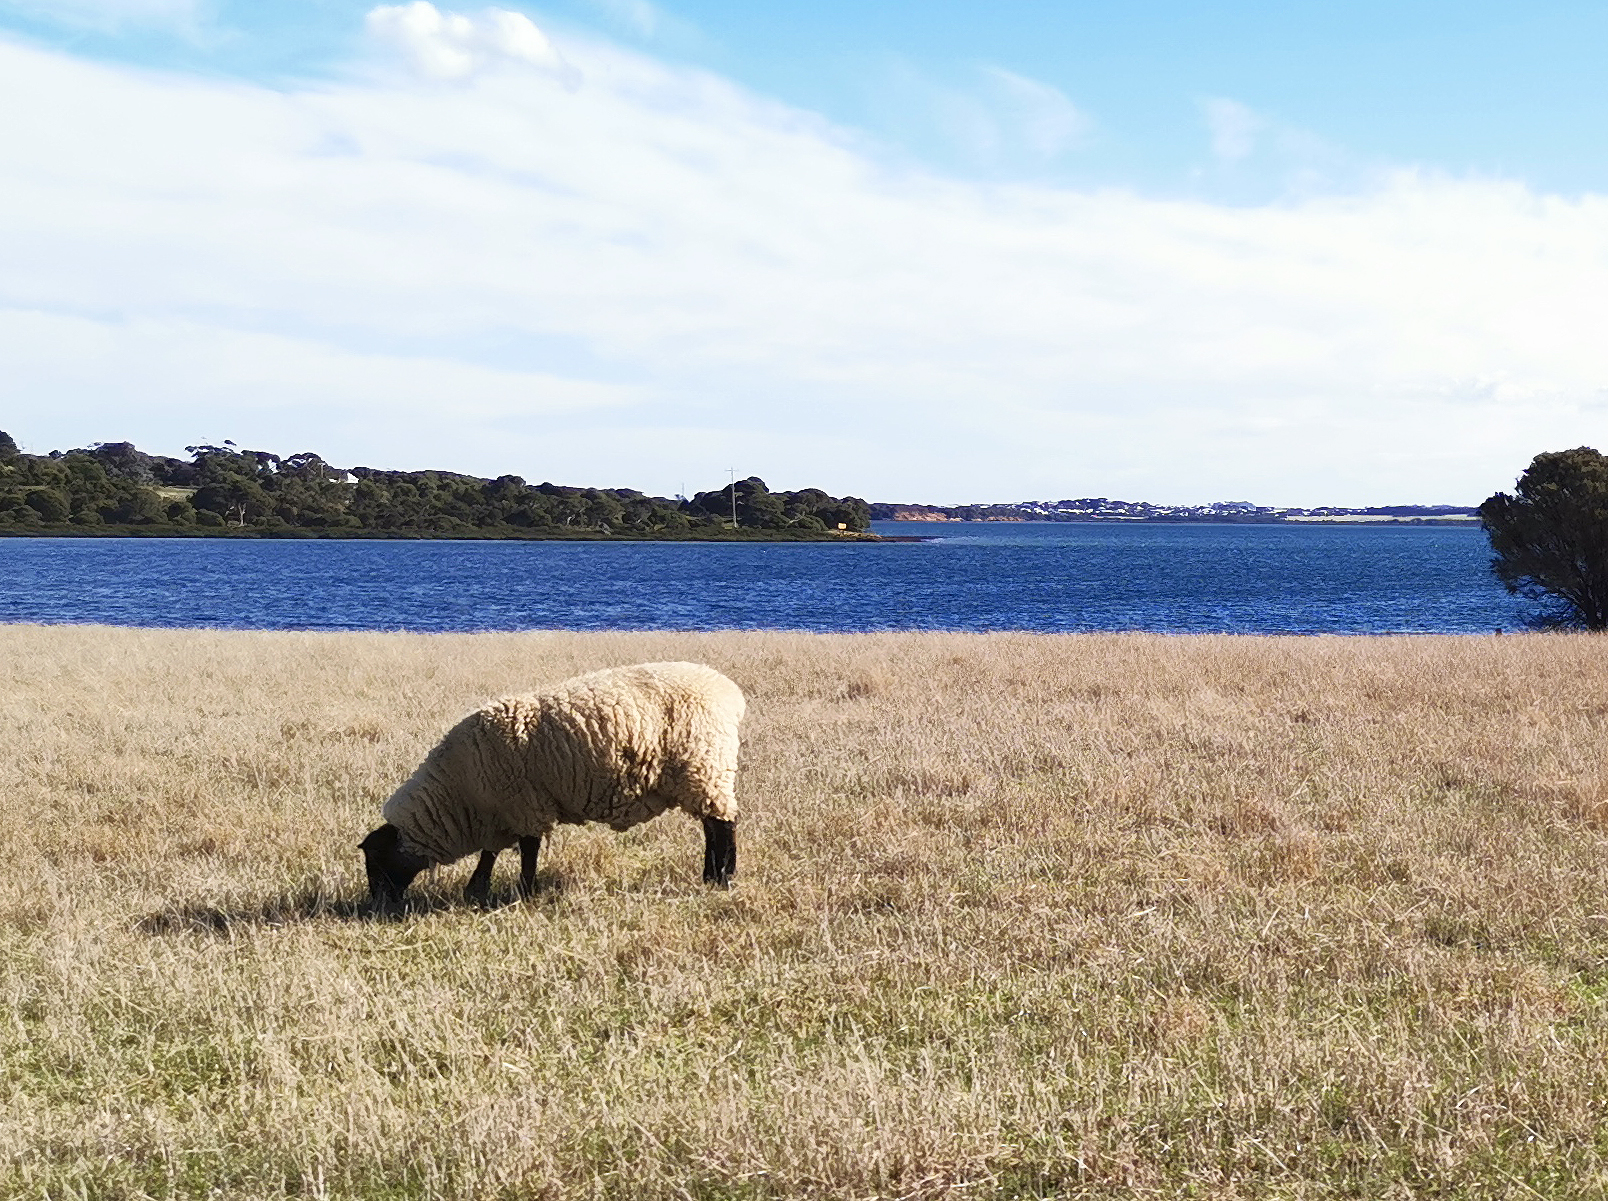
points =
(616, 746)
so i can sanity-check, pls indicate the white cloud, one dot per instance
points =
(449, 45)
(174, 374)
(180, 366)
(657, 275)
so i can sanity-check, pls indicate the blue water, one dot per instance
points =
(1039, 576)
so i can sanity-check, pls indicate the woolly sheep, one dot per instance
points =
(618, 746)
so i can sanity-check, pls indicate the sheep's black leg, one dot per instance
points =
(478, 890)
(529, 847)
(720, 851)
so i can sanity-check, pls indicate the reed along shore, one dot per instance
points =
(1018, 916)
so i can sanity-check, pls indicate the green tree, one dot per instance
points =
(8, 447)
(236, 499)
(756, 506)
(49, 504)
(135, 506)
(1550, 537)
(121, 460)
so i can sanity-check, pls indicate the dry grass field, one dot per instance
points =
(1019, 916)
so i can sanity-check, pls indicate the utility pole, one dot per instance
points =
(732, 471)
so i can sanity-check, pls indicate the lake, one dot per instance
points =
(1276, 579)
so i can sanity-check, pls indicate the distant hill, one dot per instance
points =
(227, 491)
(1236, 512)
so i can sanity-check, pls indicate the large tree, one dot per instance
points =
(1551, 537)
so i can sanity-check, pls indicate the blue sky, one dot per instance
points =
(1294, 253)
(1506, 89)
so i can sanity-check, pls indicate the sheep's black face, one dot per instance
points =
(390, 868)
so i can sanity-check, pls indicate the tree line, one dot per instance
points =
(112, 487)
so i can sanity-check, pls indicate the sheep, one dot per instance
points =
(617, 746)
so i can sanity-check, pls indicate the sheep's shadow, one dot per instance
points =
(314, 904)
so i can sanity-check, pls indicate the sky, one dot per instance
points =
(1297, 254)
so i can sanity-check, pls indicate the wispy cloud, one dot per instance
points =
(113, 15)
(645, 21)
(638, 17)
(992, 118)
(1234, 128)
(658, 274)
(1250, 145)
(1041, 116)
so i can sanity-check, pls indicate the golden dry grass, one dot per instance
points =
(1019, 916)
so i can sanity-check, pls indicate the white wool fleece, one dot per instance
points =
(617, 746)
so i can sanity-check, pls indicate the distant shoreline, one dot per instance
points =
(1223, 512)
(296, 534)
